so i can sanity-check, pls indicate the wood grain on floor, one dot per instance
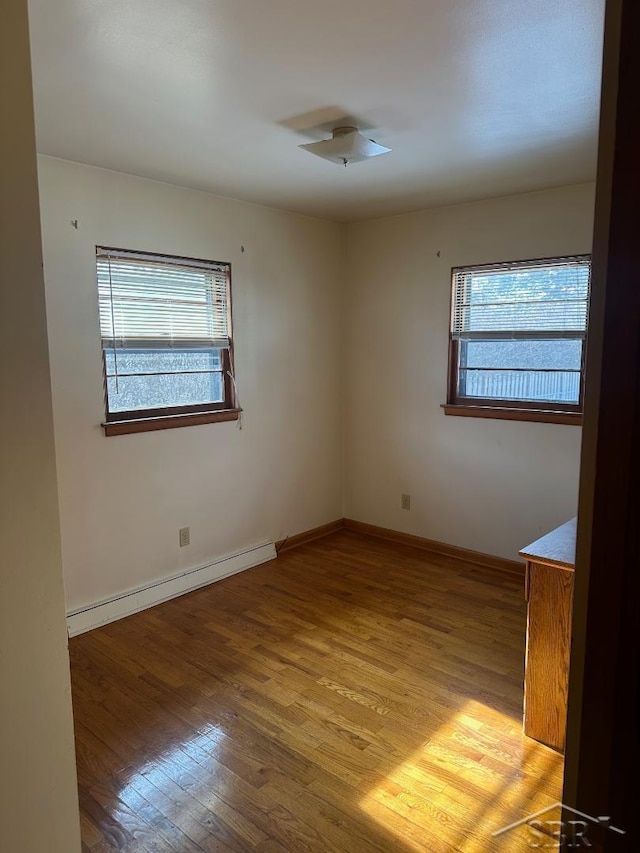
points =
(352, 695)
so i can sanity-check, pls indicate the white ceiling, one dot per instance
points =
(477, 98)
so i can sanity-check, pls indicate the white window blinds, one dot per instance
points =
(152, 301)
(533, 299)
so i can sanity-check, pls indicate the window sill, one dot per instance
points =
(169, 422)
(543, 416)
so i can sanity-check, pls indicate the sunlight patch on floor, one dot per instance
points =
(475, 775)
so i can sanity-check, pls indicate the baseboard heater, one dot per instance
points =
(93, 615)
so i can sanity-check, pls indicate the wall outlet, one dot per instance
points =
(185, 536)
(405, 501)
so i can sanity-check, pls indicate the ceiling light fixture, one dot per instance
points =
(346, 146)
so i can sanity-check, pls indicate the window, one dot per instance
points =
(165, 325)
(517, 342)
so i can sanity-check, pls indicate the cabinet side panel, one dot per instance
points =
(548, 643)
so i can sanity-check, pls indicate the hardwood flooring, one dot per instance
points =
(353, 695)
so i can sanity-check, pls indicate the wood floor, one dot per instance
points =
(352, 695)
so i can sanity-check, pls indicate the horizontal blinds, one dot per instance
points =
(532, 299)
(148, 301)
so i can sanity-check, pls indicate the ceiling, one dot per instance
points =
(477, 98)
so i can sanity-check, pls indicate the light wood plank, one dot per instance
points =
(355, 694)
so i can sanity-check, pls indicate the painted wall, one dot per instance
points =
(123, 499)
(38, 796)
(489, 485)
(312, 448)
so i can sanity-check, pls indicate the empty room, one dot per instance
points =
(303, 402)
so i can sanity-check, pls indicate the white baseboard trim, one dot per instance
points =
(103, 612)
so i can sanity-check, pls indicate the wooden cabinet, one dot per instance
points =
(549, 592)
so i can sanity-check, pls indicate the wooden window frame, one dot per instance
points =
(492, 407)
(172, 417)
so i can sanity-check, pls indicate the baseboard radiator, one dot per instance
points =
(101, 613)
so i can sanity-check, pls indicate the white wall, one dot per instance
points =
(489, 485)
(38, 795)
(123, 498)
(311, 448)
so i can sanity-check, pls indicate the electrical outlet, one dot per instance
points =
(405, 501)
(185, 536)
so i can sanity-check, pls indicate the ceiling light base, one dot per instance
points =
(346, 146)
